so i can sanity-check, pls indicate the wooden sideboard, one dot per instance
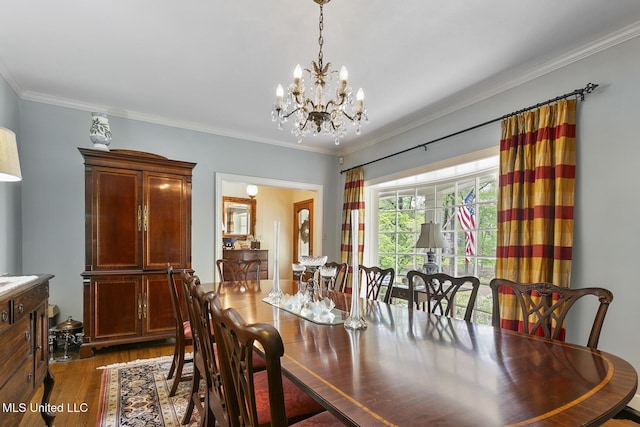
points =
(249, 254)
(24, 334)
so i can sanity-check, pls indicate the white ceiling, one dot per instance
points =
(213, 66)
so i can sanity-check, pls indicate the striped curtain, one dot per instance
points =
(353, 199)
(536, 201)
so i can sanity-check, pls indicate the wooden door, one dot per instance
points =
(158, 317)
(302, 229)
(167, 200)
(116, 219)
(118, 307)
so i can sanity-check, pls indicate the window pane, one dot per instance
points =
(406, 243)
(387, 201)
(386, 261)
(406, 221)
(487, 240)
(406, 200)
(387, 221)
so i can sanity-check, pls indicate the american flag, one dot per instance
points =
(467, 218)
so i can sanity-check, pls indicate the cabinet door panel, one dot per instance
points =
(117, 219)
(118, 307)
(159, 318)
(166, 212)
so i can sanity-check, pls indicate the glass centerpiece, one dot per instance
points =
(313, 263)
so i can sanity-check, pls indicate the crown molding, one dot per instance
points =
(448, 107)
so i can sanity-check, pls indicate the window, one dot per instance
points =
(464, 203)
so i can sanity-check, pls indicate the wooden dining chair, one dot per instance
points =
(211, 409)
(375, 279)
(263, 398)
(183, 338)
(242, 274)
(443, 294)
(544, 306)
(340, 279)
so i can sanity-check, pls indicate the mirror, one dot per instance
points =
(238, 217)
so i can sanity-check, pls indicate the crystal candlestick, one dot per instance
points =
(355, 319)
(276, 293)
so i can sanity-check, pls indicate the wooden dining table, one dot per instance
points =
(409, 368)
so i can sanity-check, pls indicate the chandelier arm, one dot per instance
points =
(286, 116)
(337, 104)
(356, 117)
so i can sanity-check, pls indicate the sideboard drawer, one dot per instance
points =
(29, 301)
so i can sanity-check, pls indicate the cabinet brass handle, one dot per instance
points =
(145, 308)
(139, 307)
(5, 315)
(139, 218)
(27, 336)
(146, 217)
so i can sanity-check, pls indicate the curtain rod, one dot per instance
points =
(578, 93)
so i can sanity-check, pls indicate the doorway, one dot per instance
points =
(274, 202)
(302, 229)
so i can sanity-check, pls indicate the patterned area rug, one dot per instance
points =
(137, 394)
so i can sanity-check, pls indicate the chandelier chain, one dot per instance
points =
(320, 39)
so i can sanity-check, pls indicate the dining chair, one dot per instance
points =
(243, 274)
(375, 279)
(340, 279)
(211, 409)
(183, 338)
(263, 398)
(442, 294)
(545, 306)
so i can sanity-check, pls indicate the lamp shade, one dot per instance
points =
(431, 237)
(252, 190)
(9, 162)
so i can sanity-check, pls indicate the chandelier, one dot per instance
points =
(315, 114)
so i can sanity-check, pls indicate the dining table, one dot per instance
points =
(410, 367)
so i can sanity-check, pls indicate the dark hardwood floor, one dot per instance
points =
(77, 383)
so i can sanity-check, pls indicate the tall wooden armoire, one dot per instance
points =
(137, 219)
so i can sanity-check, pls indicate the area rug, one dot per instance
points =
(137, 394)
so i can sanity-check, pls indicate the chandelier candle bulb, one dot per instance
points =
(344, 76)
(297, 76)
(279, 95)
(360, 99)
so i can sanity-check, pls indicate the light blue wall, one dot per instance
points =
(53, 187)
(607, 203)
(10, 192)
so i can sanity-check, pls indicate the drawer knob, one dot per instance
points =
(5, 316)
(20, 308)
(27, 336)
(29, 377)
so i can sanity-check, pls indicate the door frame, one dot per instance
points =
(269, 182)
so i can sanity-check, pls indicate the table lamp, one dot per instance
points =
(431, 238)
(9, 162)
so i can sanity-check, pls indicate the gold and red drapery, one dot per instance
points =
(536, 201)
(353, 199)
